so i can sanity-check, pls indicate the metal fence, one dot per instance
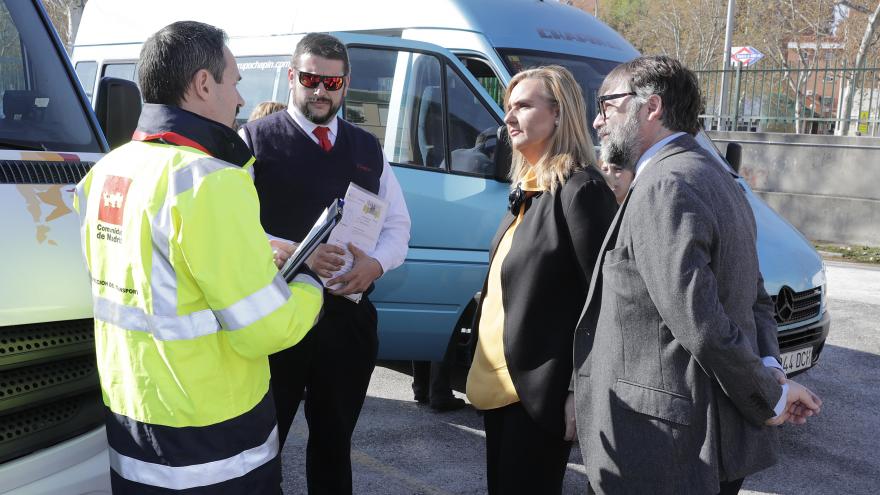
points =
(803, 100)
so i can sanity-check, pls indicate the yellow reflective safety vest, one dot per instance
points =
(188, 305)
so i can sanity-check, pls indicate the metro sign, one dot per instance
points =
(745, 55)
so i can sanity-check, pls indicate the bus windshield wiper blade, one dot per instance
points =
(20, 145)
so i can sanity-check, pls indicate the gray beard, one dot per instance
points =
(621, 145)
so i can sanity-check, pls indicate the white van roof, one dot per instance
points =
(524, 24)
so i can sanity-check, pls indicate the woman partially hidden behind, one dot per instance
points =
(541, 262)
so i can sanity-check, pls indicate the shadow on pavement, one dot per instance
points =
(835, 452)
(401, 447)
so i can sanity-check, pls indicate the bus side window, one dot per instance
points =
(486, 77)
(86, 72)
(396, 95)
(126, 71)
(471, 129)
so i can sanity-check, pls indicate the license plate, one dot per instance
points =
(797, 360)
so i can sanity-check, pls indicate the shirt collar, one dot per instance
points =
(646, 157)
(309, 126)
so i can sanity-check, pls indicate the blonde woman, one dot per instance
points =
(541, 261)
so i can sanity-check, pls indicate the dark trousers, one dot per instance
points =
(731, 487)
(520, 456)
(332, 364)
(431, 379)
(727, 487)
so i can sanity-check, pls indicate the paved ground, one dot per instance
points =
(403, 448)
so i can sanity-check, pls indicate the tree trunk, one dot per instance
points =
(74, 15)
(848, 92)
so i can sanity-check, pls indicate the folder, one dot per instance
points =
(317, 235)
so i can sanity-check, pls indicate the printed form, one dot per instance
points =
(363, 214)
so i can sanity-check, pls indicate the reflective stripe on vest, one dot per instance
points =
(181, 327)
(209, 473)
(199, 323)
(255, 306)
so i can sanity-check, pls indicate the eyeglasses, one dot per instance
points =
(311, 81)
(600, 101)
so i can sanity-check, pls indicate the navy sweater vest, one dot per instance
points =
(296, 179)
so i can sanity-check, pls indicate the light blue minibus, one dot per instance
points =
(427, 78)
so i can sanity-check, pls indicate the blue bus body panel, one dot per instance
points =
(453, 220)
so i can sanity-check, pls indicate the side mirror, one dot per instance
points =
(733, 155)
(503, 154)
(118, 107)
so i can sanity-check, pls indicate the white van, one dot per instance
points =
(436, 124)
(52, 438)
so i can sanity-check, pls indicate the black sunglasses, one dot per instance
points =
(600, 101)
(311, 81)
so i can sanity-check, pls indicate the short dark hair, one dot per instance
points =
(669, 79)
(322, 45)
(172, 56)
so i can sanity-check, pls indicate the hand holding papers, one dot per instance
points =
(319, 232)
(359, 226)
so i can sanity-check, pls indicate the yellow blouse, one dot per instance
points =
(489, 385)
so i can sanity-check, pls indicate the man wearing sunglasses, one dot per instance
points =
(306, 157)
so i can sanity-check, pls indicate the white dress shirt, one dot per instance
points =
(393, 242)
(644, 162)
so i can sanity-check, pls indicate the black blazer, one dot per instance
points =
(545, 278)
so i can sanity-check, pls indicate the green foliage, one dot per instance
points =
(861, 254)
(624, 15)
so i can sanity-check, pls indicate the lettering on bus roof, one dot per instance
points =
(554, 34)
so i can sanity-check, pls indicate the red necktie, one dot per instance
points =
(323, 139)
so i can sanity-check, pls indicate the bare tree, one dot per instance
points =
(689, 30)
(869, 40)
(794, 35)
(65, 15)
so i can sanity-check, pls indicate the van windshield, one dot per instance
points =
(39, 106)
(263, 79)
(589, 72)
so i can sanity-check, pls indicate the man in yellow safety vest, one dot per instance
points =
(188, 303)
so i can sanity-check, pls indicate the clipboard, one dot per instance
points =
(317, 235)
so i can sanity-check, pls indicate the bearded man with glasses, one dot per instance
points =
(306, 157)
(677, 382)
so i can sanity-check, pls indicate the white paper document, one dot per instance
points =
(361, 223)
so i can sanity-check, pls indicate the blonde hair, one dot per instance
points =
(266, 108)
(570, 145)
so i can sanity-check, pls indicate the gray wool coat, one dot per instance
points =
(670, 390)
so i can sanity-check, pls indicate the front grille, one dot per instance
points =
(42, 172)
(799, 337)
(49, 389)
(46, 425)
(22, 344)
(23, 386)
(794, 307)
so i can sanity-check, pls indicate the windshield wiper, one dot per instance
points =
(20, 145)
